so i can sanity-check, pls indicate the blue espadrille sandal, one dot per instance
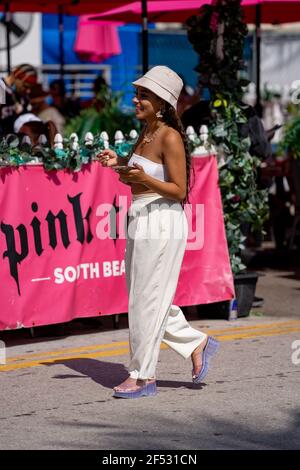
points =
(144, 391)
(211, 348)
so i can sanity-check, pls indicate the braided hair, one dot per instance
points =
(171, 118)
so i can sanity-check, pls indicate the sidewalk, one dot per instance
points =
(279, 285)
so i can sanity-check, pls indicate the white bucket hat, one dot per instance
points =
(23, 119)
(162, 81)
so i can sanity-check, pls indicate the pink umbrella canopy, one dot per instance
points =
(256, 11)
(158, 11)
(70, 7)
(60, 7)
(272, 11)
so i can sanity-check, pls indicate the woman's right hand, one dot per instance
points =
(108, 157)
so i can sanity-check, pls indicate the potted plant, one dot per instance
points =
(218, 34)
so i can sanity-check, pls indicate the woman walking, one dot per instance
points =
(158, 172)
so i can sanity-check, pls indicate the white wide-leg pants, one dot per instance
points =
(156, 241)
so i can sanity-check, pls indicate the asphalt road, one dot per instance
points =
(56, 392)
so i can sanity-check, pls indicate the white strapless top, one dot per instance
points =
(156, 170)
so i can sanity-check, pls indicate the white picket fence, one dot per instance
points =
(200, 151)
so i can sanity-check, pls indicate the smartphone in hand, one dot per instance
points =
(121, 167)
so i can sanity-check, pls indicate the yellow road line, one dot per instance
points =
(68, 350)
(122, 351)
(274, 326)
(41, 362)
(256, 327)
(24, 365)
(254, 334)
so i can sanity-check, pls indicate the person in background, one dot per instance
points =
(33, 127)
(186, 98)
(16, 88)
(198, 113)
(68, 107)
(259, 137)
(100, 89)
(43, 110)
(24, 119)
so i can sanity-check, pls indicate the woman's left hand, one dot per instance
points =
(134, 175)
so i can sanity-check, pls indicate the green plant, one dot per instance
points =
(76, 152)
(217, 34)
(291, 140)
(71, 156)
(244, 205)
(110, 118)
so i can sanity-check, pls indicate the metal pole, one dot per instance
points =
(145, 37)
(258, 51)
(7, 24)
(61, 40)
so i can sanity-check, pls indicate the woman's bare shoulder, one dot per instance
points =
(171, 144)
(170, 136)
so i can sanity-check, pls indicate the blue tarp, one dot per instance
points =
(173, 50)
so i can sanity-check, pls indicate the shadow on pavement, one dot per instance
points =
(109, 374)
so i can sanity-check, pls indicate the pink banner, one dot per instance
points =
(62, 243)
